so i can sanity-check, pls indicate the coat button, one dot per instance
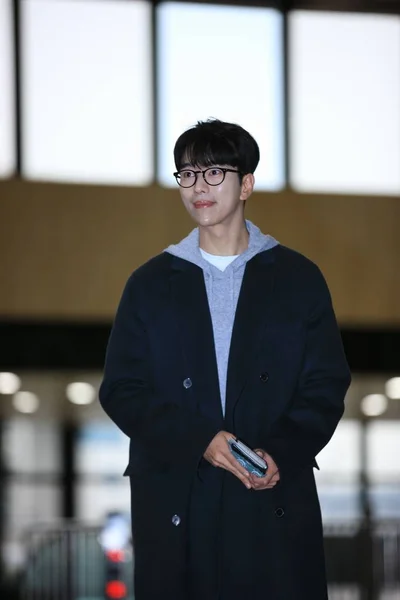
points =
(187, 383)
(264, 377)
(176, 520)
(279, 512)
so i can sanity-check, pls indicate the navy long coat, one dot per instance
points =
(287, 378)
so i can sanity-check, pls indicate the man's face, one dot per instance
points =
(210, 205)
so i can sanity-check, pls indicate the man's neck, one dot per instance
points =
(220, 242)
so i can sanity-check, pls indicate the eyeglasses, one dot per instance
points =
(213, 176)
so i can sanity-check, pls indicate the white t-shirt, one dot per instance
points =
(221, 262)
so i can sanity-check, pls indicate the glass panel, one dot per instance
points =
(345, 102)
(385, 501)
(223, 62)
(7, 98)
(339, 476)
(94, 500)
(341, 460)
(87, 91)
(339, 502)
(101, 448)
(27, 505)
(31, 446)
(383, 439)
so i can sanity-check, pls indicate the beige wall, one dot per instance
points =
(66, 250)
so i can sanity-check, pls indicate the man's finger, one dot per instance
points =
(263, 487)
(260, 485)
(266, 482)
(261, 453)
(243, 478)
(240, 472)
(229, 463)
(267, 478)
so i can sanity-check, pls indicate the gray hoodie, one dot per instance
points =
(223, 289)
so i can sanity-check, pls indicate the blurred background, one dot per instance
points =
(93, 94)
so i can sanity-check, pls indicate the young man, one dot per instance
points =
(227, 333)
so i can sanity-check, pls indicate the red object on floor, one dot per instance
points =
(116, 590)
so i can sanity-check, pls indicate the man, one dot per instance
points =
(225, 334)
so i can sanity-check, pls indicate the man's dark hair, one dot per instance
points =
(215, 142)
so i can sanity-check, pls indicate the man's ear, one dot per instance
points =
(247, 186)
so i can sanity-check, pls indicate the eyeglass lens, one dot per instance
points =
(212, 176)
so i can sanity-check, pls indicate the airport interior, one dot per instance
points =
(93, 95)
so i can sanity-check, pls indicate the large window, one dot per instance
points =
(383, 451)
(345, 103)
(108, 85)
(32, 456)
(224, 62)
(31, 446)
(101, 456)
(87, 91)
(87, 98)
(101, 449)
(339, 476)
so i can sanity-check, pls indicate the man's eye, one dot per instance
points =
(186, 174)
(215, 172)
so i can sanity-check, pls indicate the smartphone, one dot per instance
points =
(249, 459)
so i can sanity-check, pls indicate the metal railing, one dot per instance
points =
(68, 563)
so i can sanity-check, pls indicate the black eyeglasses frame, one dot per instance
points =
(196, 173)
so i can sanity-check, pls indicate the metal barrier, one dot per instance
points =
(68, 563)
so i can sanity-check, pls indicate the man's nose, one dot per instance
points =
(201, 185)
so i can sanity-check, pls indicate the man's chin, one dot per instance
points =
(205, 222)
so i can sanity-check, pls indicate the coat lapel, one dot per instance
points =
(194, 327)
(252, 315)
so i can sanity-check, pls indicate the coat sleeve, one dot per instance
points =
(159, 428)
(309, 422)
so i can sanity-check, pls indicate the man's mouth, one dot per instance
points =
(203, 204)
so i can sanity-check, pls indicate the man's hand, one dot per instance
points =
(272, 476)
(219, 455)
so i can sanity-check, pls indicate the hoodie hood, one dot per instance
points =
(189, 250)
